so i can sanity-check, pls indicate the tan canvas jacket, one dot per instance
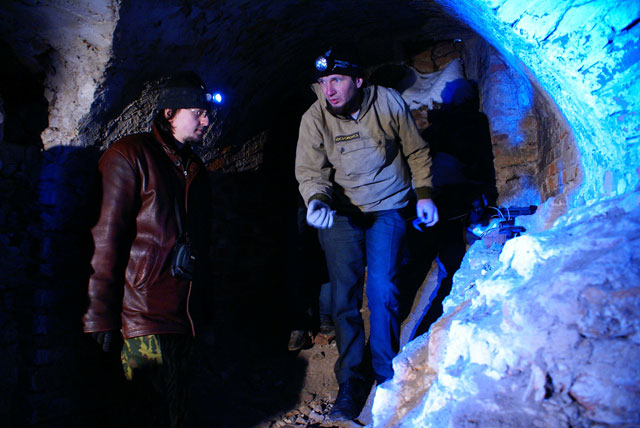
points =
(368, 163)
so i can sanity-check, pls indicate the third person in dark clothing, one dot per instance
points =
(464, 183)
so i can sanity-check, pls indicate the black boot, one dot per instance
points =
(326, 327)
(298, 340)
(350, 401)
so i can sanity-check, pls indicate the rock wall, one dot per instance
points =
(535, 153)
(507, 100)
(19, 248)
(71, 42)
(541, 333)
(585, 56)
(558, 160)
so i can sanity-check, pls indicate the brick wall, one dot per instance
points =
(559, 165)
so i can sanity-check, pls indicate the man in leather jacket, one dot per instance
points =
(155, 195)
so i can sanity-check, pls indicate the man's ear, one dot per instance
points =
(168, 113)
(359, 81)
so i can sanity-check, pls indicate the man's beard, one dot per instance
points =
(351, 106)
(195, 140)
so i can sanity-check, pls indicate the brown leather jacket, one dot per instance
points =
(131, 287)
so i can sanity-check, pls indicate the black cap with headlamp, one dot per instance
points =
(184, 90)
(338, 60)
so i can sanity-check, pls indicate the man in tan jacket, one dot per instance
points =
(360, 161)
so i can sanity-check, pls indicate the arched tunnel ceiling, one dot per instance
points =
(259, 52)
(256, 52)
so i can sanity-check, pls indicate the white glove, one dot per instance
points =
(319, 215)
(427, 212)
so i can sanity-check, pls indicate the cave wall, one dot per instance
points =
(579, 54)
(507, 100)
(533, 144)
(543, 331)
(540, 332)
(72, 48)
(585, 56)
(557, 158)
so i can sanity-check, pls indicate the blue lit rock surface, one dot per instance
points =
(544, 332)
(587, 57)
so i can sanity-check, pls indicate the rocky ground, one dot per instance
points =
(270, 387)
(286, 389)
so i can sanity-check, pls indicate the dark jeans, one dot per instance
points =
(355, 241)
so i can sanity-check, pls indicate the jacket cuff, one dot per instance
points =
(424, 192)
(320, 196)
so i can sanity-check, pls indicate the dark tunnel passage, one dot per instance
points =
(560, 89)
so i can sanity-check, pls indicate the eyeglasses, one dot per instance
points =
(199, 113)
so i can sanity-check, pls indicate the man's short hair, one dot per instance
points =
(184, 90)
(339, 59)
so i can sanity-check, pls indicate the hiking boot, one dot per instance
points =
(297, 340)
(327, 328)
(349, 402)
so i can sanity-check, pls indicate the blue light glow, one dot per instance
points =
(214, 98)
(585, 56)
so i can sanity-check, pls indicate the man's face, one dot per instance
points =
(188, 124)
(340, 90)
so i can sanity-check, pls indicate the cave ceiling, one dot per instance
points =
(230, 41)
(258, 52)
(254, 52)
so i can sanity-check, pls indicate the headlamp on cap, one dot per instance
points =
(186, 90)
(214, 98)
(322, 63)
(188, 98)
(326, 64)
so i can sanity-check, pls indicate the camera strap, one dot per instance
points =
(176, 205)
(179, 217)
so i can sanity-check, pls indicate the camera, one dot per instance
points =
(183, 259)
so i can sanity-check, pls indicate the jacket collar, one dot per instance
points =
(169, 145)
(184, 155)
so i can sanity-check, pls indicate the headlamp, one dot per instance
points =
(214, 98)
(322, 63)
(327, 64)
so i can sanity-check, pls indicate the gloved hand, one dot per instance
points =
(319, 215)
(427, 212)
(103, 338)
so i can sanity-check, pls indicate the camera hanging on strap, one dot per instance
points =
(183, 258)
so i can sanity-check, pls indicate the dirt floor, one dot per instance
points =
(270, 387)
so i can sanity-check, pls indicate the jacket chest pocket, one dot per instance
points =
(362, 156)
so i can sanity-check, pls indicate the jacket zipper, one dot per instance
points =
(186, 198)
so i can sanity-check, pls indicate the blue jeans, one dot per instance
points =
(324, 301)
(355, 241)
